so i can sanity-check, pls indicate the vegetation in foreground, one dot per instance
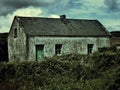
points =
(99, 71)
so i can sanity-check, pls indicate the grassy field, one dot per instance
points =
(99, 71)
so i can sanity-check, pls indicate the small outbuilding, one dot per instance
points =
(115, 39)
(34, 38)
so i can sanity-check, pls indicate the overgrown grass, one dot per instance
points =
(99, 71)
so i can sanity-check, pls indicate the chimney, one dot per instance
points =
(63, 18)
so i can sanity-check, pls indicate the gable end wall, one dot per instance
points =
(17, 46)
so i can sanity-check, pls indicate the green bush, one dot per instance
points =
(106, 60)
(106, 49)
(99, 71)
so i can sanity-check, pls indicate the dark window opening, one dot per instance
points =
(90, 48)
(58, 49)
(15, 33)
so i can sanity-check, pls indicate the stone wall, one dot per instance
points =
(17, 46)
(69, 45)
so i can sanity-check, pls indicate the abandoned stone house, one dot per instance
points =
(33, 38)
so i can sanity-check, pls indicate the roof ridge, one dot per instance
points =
(54, 26)
(54, 18)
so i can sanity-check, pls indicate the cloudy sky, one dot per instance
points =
(106, 11)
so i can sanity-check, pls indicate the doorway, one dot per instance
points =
(40, 52)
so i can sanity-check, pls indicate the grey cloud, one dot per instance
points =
(7, 6)
(114, 28)
(24, 3)
(64, 6)
(52, 6)
(112, 4)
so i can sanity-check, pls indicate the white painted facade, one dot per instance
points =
(69, 45)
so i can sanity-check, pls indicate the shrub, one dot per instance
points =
(99, 71)
(106, 49)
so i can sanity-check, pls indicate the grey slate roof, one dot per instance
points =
(55, 27)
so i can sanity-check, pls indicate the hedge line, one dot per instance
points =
(99, 71)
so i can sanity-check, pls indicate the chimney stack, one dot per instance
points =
(63, 18)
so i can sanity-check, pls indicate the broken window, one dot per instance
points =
(15, 32)
(58, 49)
(90, 48)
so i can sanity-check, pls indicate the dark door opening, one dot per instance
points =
(39, 52)
(89, 48)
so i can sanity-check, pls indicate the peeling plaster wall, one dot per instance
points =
(17, 46)
(69, 45)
